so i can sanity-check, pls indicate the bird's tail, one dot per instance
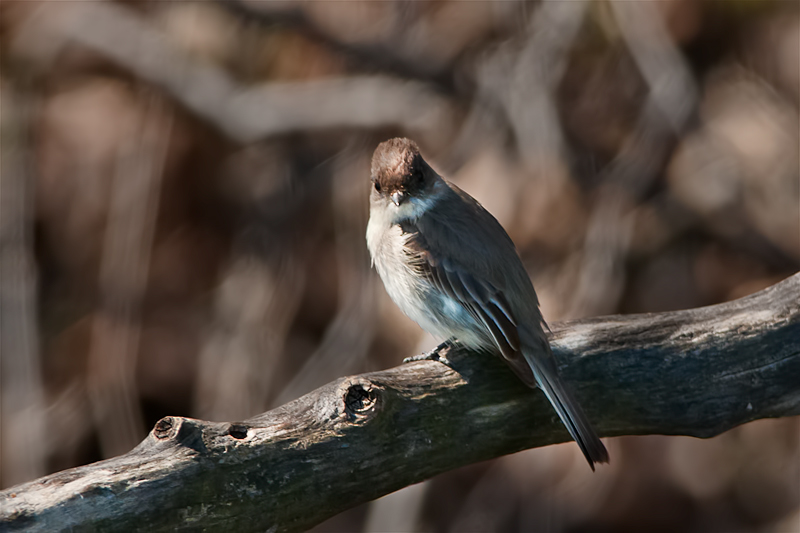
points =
(569, 410)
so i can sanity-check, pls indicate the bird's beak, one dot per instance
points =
(398, 197)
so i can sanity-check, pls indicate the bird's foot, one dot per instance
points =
(437, 354)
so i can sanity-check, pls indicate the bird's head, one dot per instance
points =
(400, 175)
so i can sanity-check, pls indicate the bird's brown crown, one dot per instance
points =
(398, 166)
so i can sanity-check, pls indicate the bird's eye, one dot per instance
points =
(377, 186)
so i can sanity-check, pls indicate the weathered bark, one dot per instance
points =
(697, 372)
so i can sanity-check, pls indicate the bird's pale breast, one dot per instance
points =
(434, 311)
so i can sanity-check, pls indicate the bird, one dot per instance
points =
(449, 265)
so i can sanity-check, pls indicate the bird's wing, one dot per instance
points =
(484, 300)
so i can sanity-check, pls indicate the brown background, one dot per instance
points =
(184, 194)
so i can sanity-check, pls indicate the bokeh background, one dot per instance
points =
(184, 199)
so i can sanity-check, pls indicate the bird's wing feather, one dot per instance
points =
(484, 300)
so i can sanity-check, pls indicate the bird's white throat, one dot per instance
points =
(415, 206)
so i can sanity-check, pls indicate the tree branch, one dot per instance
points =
(697, 372)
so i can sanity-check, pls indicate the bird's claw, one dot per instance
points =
(437, 354)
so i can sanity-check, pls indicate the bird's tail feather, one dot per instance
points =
(570, 412)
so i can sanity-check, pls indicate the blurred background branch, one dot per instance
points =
(114, 343)
(244, 113)
(184, 198)
(22, 402)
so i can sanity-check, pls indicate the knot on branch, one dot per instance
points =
(237, 430)
(166, 428)
(183, 431)
(361, 398)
